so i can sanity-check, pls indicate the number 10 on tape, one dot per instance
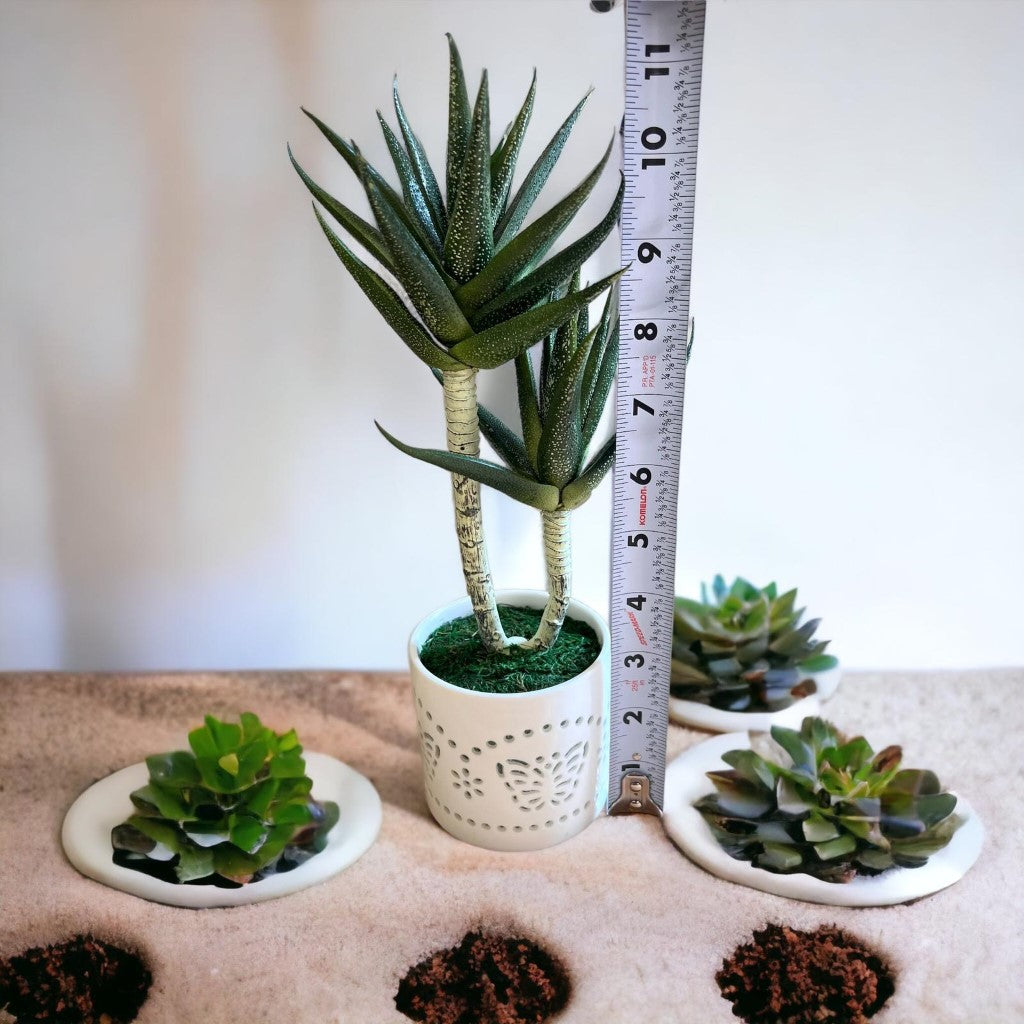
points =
(664, 46)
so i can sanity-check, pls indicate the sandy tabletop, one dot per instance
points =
(641, 929)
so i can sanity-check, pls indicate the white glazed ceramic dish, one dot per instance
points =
(686, 782)
(518, 771)
(701, 716)
(87, 825)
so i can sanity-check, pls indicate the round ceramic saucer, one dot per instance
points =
(686, 782)
(703, 716)
(87, 825)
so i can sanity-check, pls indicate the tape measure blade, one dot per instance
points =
(664, 50)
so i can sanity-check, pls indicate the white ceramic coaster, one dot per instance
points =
(702, 716)
(686, 782)
(87, 825)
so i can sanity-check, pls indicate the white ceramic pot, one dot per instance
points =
(514, 771)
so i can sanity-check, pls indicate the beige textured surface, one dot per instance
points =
(641, 928)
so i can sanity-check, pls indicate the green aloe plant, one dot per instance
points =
(236, 807)
(745, 648)
(827, 806)
(481, 290)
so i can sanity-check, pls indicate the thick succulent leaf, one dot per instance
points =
(609, 313)
(259, 797)
(513, 217)
(504, 166)
(818, 829)
(469, 242)
(459, 119)
(390, 306)
(916, 781)
(505, 341)
(779, 857)
(505, 441)
(561, 440)
(331, 814)
(232, 863)
(194, 862)
(415, 200)
(794, 643)
(818, 663)
(362, 231)
(528, 247)
(288, 765)
(365, 170)
(177, 768)
(738, 796)
(421, 167)
(602, 386)
(247, 833)
(842, 846)
(153, 799)
(927, 843)
(752, 767)
(425, 287)
(798, 749)
(579, 490)
(529, 406)
(528, 491)
(159, 831)
(790, 797)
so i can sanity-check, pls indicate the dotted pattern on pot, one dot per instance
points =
(539, 789)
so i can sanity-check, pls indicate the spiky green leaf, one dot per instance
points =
(523, 489)
(415, 199)
(512, 219)
(469, 242)
(579, 490)
(504, 167)
(421, 166)
(390, 305)
(505, 341)
(459, 120)
(529, 407)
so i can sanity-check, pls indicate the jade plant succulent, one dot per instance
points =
(236, 808)
(817, 803)
(468, 288)
(744, 648)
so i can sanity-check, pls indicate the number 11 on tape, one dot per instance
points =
(664, 48)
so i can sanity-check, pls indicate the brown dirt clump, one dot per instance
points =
(787, 976)
(81, 981)
(486, 979)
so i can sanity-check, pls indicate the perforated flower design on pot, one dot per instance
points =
(466, 783)
(546, 780)
(431, 752)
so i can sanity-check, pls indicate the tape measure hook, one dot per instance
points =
(635, 797)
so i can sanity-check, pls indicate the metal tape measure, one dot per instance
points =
(664, 49)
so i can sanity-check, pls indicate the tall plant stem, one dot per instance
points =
(464, 437)
(558, 562)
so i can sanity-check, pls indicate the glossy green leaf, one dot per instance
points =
(412, 190)
(364, 232)
(155, 799)
(177, 768)
(528, 491)
(247, 833)
(390, 306)
(469, 243)
(194, 862)
(561, 440)
(505, 341)
(529, 407)
(605, 380)
(528, 247)
(425, 287)
(505, 441)
(421, 167)
(512, 219)
(459, 121)
(504, 167)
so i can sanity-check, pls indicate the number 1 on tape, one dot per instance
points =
(664, 46)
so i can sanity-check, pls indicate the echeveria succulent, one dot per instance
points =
(743, 648)
(467, 288)
(235, 808)
(817, 803)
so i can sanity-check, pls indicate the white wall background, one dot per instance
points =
(189, 474)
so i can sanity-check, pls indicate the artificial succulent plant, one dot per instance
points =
(236, 808)
(816, 803)
(744, 648)
(480, 291)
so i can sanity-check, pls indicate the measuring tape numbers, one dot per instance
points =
(664, 48)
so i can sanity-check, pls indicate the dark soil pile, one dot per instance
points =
(787, 976)
(454, 652)
(486, 979)
(81, 981)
